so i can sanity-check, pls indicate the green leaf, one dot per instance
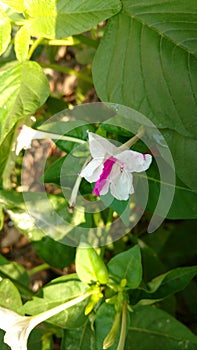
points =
(146, 33)
(169, 283)
(127, 265)
(150, 48)
(54, 253)
(56, 293)
(80, 338)
(5, 32)
(59, 19)
(23, 89)
(90, 266)
(9, 295)
(14, 271)
(21, 44)
(17, 5)
(154, 329)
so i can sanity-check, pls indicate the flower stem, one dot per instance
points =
(131, 141)
(35, 44)
(38, 269)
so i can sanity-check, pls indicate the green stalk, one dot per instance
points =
(66, 70)
(38, 269)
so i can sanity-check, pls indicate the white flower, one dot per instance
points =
(112, 167)
(18, 327)
(27, 135)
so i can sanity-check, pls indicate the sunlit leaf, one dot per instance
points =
(19, 97)
(58, 19)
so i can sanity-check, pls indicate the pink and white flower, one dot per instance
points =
(111, 167)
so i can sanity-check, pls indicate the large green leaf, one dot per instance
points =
(150, 49)
(154, 329)
(146, 60)
(59, 18)
(23, 89)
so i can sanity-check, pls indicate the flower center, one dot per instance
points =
(108, 164)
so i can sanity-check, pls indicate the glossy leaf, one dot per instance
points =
(5, 32)
(9, 295)
(58, 292)
(127, 265)
(151, 328)
(19, 98)
(59, 19)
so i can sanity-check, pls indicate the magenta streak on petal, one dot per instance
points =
(108, 164)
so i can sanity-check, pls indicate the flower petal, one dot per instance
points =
(93, 170)
(7, 318)
(101, 182)
(121, 185)
(134, 161)
(99, 146)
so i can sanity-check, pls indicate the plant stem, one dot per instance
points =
(35, 44)
(131, 142)
(38, 269)
(66, 70)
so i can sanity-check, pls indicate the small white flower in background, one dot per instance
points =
(27, 135)
(111, 167)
